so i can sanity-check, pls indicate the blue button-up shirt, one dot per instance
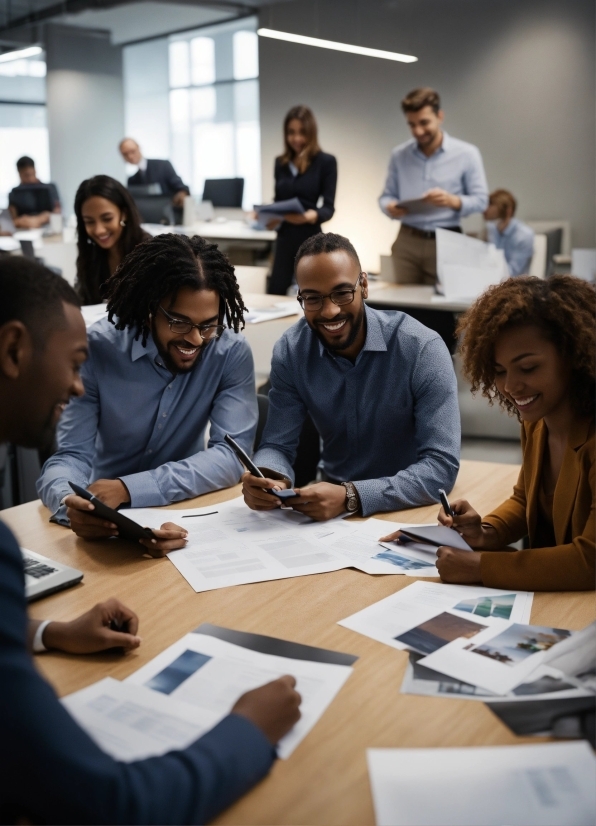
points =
(456, 166)
(389, 422)
(517, 243)
(139, 423)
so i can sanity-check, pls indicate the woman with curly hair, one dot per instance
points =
(529, 344)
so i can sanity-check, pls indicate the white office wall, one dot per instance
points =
(85, 107)
(516, 78)
(146, 96)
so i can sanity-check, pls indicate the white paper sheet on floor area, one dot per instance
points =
(229, 544)
(499, 658)
(536, 785)
(131, 722)
(405, 610)
(212, 674)
(467, 266)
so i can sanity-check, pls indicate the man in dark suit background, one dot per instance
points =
(153, 171)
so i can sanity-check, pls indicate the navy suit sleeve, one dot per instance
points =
(173, 182)
(52, 772)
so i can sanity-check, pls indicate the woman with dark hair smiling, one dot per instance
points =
(108, 228)
(305, 172)
(530, 344)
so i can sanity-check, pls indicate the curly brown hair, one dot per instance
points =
(562, 306)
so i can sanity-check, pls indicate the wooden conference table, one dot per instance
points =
(325, 781)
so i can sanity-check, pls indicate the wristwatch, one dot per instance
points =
(352, 498)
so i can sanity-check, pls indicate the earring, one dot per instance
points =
(123, 223)
(90, 241)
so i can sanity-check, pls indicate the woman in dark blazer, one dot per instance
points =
(108, 228)
(306, 173)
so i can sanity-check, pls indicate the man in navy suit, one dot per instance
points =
(153, 171)
(52, 772)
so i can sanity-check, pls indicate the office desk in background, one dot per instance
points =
(325, 781)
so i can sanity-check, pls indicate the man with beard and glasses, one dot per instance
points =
(52, 771)
(379, 387)
(161, 367)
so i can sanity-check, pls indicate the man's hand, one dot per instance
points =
(461, 567)
(178, 198)
(395, 211)
(31, 221)
(169, 537)
(311, 216)
(440, 197)
(112, 492)
(274, 707)
(255, 493)
(320, 501)
(91, 632)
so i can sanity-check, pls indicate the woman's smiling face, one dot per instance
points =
(531, 373)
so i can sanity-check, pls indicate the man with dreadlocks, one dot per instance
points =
(164, 364)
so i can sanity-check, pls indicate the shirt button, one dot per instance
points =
(169, 386)
(149, 451)
(159, 427)
(163, 415)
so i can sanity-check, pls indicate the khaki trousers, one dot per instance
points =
(414, 258)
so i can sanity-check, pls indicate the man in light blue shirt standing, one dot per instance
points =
(445, 173)
(162, 367)
(379, 387)
(507, 233)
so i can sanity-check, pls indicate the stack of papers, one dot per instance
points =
(193, 684)
(467, 266)
(281, 309)
(542, 785)
(267, 212)
(229, 544)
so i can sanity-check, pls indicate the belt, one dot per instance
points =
(429, 234)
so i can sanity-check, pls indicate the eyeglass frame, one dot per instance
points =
(172, 320)
(300, 298)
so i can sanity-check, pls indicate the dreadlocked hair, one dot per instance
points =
(562, 307)
(160, 267)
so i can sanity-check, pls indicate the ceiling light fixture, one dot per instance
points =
(31, 51)
(338, 47)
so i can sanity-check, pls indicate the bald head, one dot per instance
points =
(130, 151)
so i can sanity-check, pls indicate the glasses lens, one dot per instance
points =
(180, 326)
(340, 297)
(209, 333)
(311, 302)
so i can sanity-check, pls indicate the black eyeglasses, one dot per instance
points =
(208, 332)
(339, 297)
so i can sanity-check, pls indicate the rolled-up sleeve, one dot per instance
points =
(438, 438)
(475, 195)
(234, 411)
(390, 192)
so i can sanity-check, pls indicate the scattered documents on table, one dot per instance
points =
(211, 673)
(229, 544)
(497, 658)
(538, 785)
(280, 309)
(426, 616)
(467, 266)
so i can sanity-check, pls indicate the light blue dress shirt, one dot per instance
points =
(517, 243)
(138, 423)
(456, 167)
(389, 422)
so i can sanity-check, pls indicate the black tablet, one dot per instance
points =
(127, 529)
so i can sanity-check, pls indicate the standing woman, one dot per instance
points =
(306, 173)
(108, 228)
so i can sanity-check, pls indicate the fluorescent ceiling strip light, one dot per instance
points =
(338, 47)
(32, 51)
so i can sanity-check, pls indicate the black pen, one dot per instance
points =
(445, 502)
(194, 515)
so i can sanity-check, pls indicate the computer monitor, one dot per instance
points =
(31, 199)
(554, 239)
(224, 192)
(154, 209)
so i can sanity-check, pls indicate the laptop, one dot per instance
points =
(43, 576)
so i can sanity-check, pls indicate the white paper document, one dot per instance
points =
(211, 674)
(281, 309)
(131, 722)
(538, 785)
(425, 616)
(467, 266)
(229, 544)
(498, 658)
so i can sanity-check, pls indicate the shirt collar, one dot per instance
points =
(137, 350)
(374, 341)
(445, 146)
(510, 228)
(143, 164)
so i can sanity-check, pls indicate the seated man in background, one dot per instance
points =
(380, 389)
(508, 233)
(153, 171)
(52, 772)
(29, 205)
(161, 367)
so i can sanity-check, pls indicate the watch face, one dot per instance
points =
(352, 504)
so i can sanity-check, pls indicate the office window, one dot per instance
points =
(214, 106)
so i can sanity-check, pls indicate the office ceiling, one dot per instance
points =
(21, 20)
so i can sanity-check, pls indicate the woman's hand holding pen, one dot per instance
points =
(467, 522)
(311, 216)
